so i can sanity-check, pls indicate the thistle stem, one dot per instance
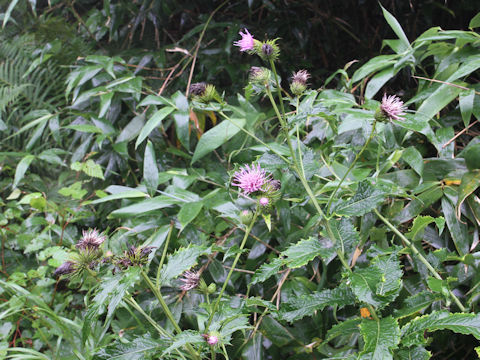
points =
(420, 257)
(372, 133)
(167, 312)
(229, 275)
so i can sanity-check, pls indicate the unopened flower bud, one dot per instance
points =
(264, 201)
(259, 75)
(198, 89)
(267, 50)
(246, 217)
(211, 339)
(212, 288)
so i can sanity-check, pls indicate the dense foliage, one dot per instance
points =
(266, 219)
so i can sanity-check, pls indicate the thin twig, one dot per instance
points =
(458, 134)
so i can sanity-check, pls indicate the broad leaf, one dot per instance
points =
(365, 200)
(381, 337)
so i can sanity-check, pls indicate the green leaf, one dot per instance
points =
(185, 337)
(381, 337)
(180, 261)
(111, 293)
(152, 123)
(376, 82)
(470, 183)
(378, 284)
(303, 252)
(150, 169)
(416, 303)
(85, 128)
(465, 101)
(475, 22)
(22, 168)
(416, 353)
(419, 204)
(418, 227)
(413, 158)
(266, 270)
(75, 191)
(158, 202)
(276, 332)
(458, 231)
(297, 308)
(132, 129)
(397, 28)
(121, 195)
(182, 119)
(365, 200)
(440, 98)
(413, 332)
(6, 15)
(89, 167)
(217, 136)
(189, 212)
(346, 236)
(140, 348)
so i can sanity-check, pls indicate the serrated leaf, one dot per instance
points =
(111, 293)
(419, 225)
(345, 328)
(346, 236)
(416, 353)
(365, 200)
(416, 303)
(391, 280)
(184, 338)
(381, 337)
(297, 308)
(413, 332)
(139, 348)
(180, 261)
(266, 270)
(303, 252)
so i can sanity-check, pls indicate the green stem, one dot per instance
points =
(232, 268)
(420, 257)
(152, 322)
(351, 166)
(164, 254)
(279, 89)
(167, 312)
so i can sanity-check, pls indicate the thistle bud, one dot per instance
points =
(246, 217)
(212, 288)
(267, 50)
(264, 201)
(91, 240)
(204, 92)
(212, 338)
(259, 75)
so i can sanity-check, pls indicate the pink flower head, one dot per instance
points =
(250, 178)
(246, 43)
(212, 340)
(392, 107)
(264, 201)
(301, 76)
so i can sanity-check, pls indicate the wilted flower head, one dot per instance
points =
(247, 41)
(392, 107)
(190, 280)
(301, 76)
(259, 75)
(66, 268)
(91, 239)
(198, 89)
(250, 178)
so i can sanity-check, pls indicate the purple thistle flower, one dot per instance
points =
(392, 107)
(250, 179)
(264, 201)
(212, 340)
(91, 239)
(190, 280)
(246, 43)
